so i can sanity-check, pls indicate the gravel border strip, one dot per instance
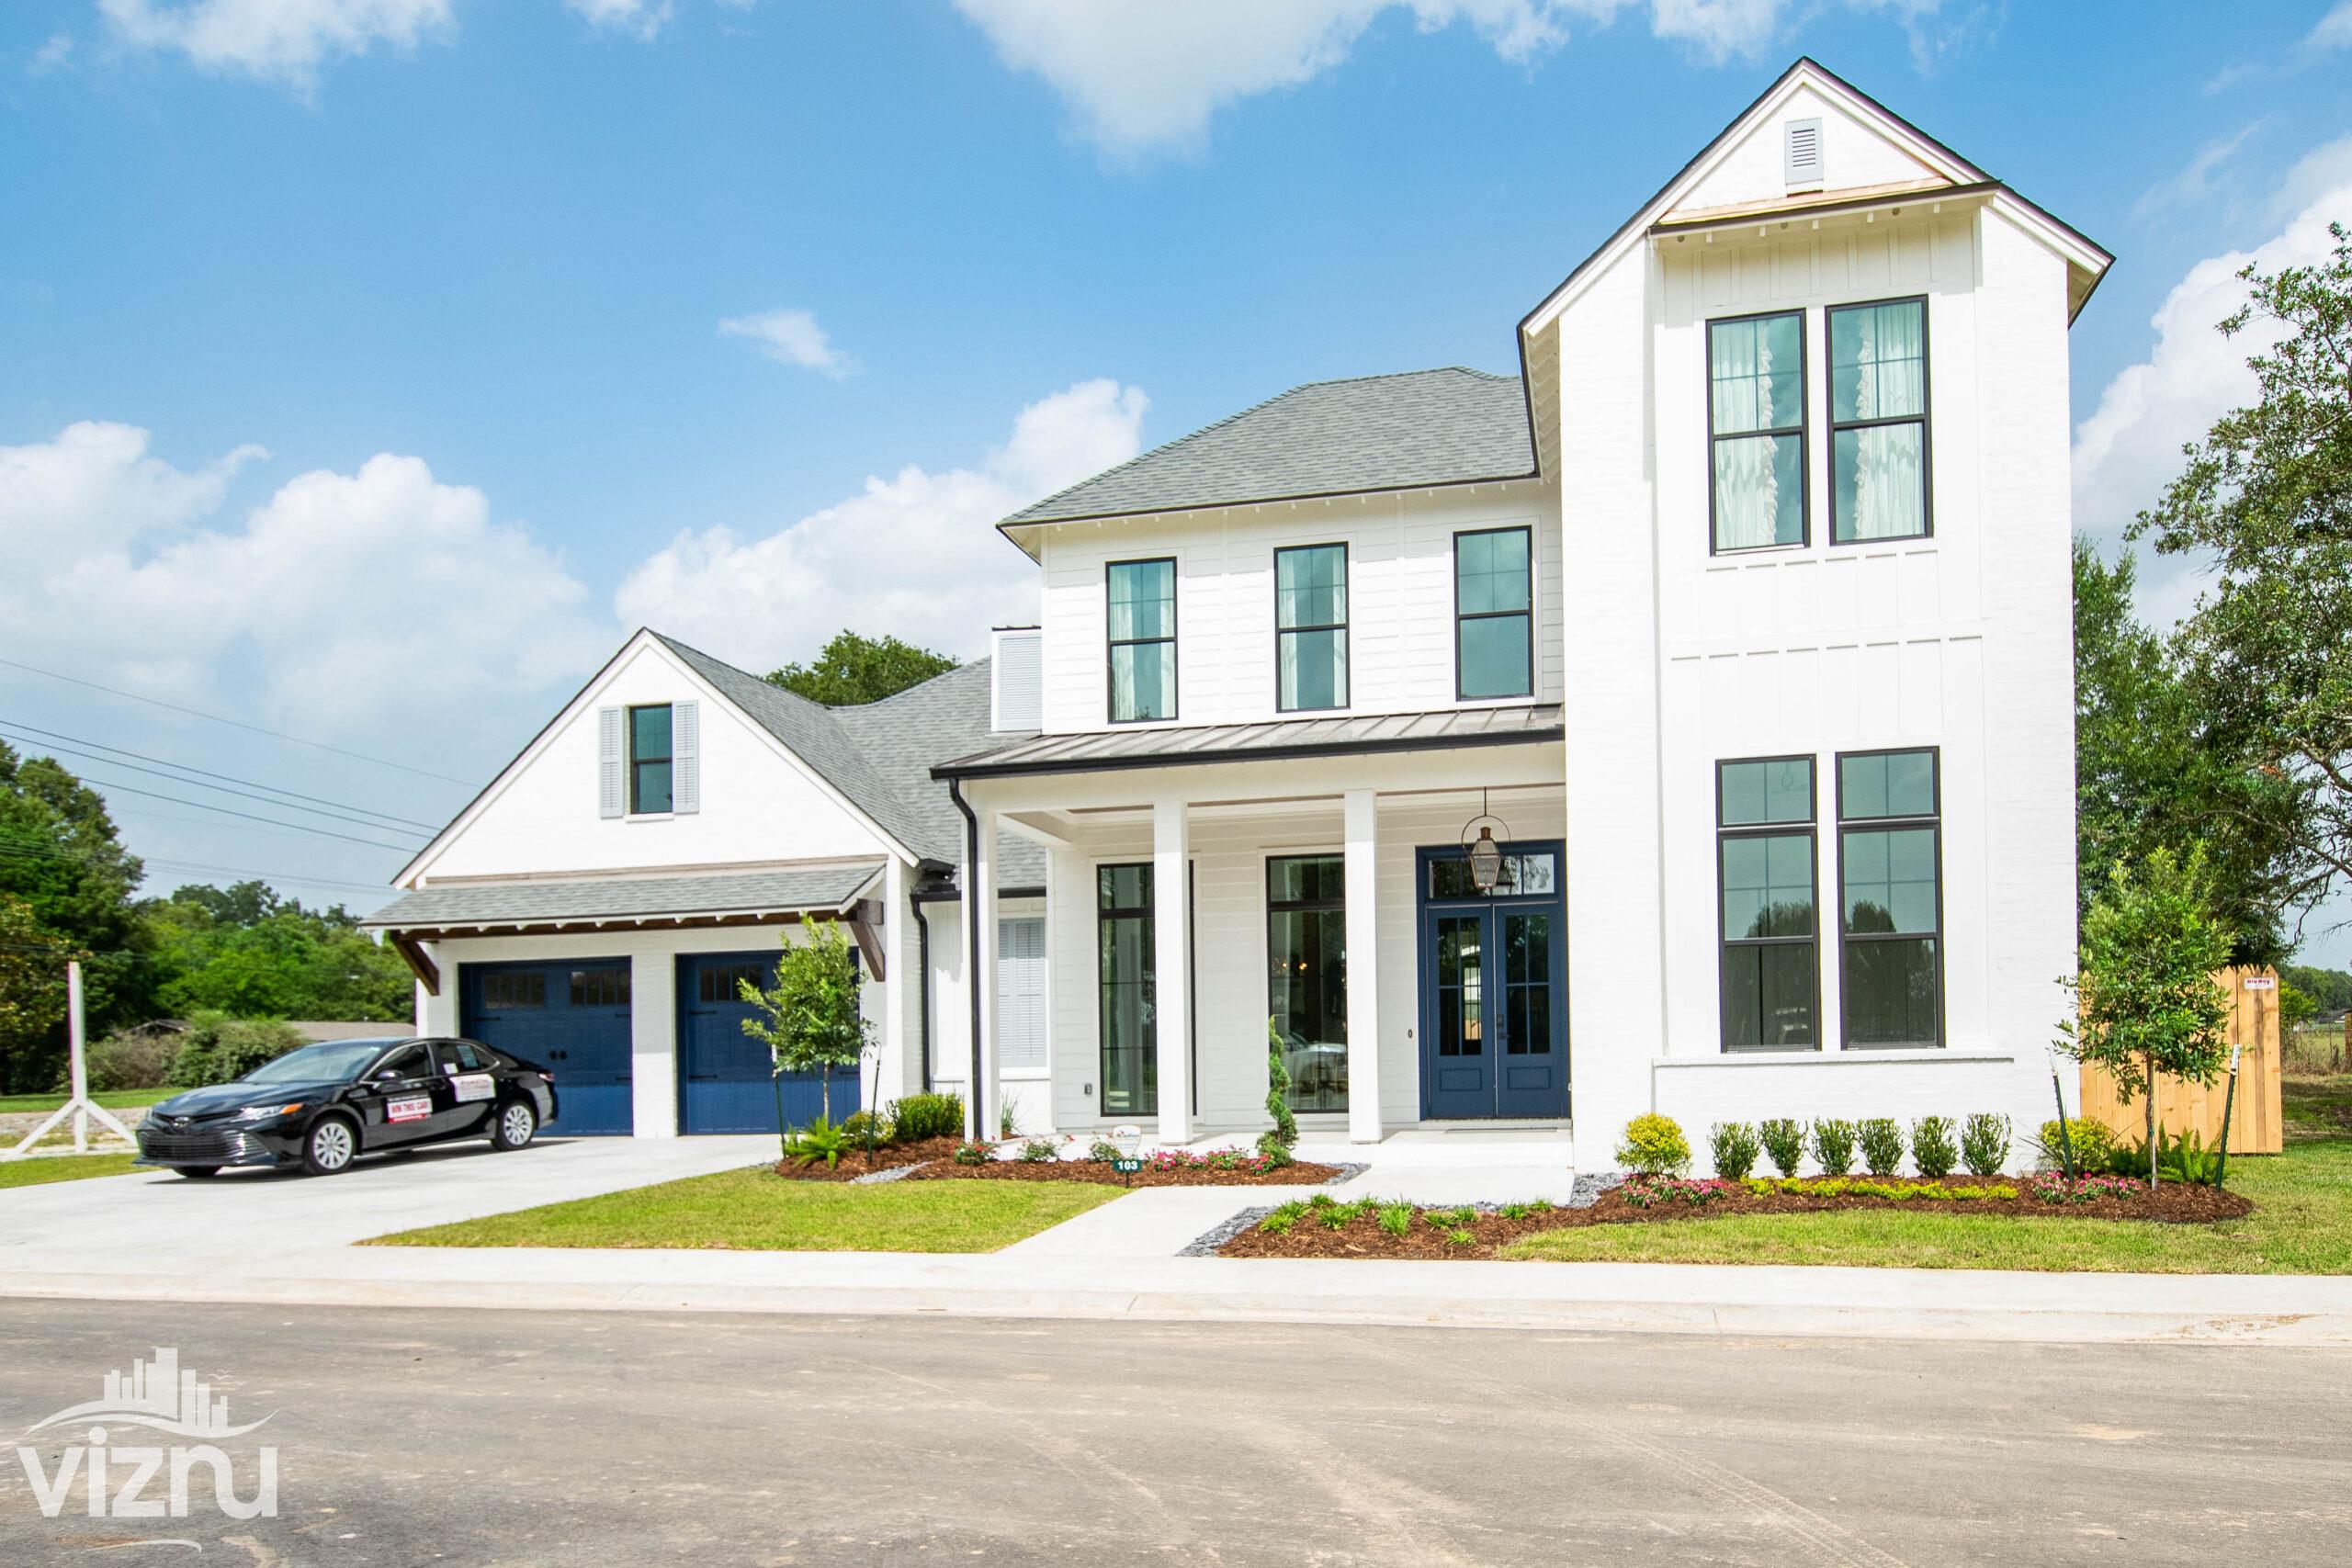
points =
(1205, 1244)
(1347, 1173)
(895, 1173)
(1592, 1185)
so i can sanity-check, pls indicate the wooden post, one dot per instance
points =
(80, 1065)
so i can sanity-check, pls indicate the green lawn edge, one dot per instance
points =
(111, 1099)
(47, 1168)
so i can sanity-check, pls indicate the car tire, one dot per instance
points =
(197, 1172)
(515, 1126)
(330, 1147)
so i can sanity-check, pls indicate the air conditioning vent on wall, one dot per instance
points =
(1805, 155)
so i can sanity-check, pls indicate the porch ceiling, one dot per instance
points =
(1339, 736)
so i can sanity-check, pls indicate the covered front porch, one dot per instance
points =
(1325, 889)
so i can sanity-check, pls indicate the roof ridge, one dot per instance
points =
(786, 691)
(921, 685)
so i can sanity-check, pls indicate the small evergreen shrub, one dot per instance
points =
(1278, 1092)
(1654, 1145)
(1833, 1145)
(1783, 1139)
(1736, 1147)
(859, 1125)
(1932, 1148)
(921, 1116)
(1882, 1141)
(1985, 1143)
(2092, 1142)
(218, 1048)
(131, 1058)
(1277, 1152)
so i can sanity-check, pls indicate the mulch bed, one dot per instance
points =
(1360, 1236)
(1302, 1173)
(886, 1156)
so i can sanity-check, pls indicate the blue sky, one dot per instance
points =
(373, 365)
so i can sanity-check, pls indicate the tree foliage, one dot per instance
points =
(854, 669)
(32, 977)
(246, 952)
(809, 1018)
(2267, 498)
(2329, 989)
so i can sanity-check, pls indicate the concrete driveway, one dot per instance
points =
(151, 1221)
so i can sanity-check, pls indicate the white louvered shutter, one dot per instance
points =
(686, 757)
(1020, 996)
(1803, 154)
(612, 758)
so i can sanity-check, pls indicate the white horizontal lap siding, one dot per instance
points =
(1400, 610)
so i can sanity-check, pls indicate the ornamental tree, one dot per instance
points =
(809, 1020)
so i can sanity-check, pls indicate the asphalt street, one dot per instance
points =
(407, 1436)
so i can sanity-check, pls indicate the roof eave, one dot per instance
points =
(1009, 524)
(978, 768)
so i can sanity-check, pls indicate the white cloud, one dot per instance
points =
(284, 41)
(2333, 31)
(791, 337)
(913, 554)
(642, 17)
(2130, 447)
(2194, 181)
(95, 488)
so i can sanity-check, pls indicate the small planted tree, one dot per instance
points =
(1285, 1133)
(809, 1020)
(2146, 1003)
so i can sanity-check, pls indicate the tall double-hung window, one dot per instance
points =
(1143, 639)
(1889, 831)
(1878, 420)
(1126, 974)
(1311, 628)
(649, 759)
(1756, 429)
(1764, 842)
(1494, 615)
(1306, 952)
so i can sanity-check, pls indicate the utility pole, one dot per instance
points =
(80, 1107)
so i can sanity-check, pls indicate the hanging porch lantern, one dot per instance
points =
(1487, 870)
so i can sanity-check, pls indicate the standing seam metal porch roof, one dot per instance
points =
(1341, 735)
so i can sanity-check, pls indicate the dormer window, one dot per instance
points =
(649, 759)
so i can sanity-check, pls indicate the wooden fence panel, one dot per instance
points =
(2256, 1126)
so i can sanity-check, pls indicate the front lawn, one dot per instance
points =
(757, 1210)
(61, 1168)
(112, 1099)
(2302, 1222)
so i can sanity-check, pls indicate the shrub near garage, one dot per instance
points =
(1654, 1145)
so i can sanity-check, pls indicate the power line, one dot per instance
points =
(224, 789)
(274, 821)
(237, 724)
(26, 848)
(50, 735)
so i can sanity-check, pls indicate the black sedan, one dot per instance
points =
(322, 1106)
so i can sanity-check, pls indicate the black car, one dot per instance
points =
(322, 1106)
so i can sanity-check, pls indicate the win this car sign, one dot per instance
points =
(409, 1108)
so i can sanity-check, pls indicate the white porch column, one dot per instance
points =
(1172, 965)
(979, 907)
(1361, 880)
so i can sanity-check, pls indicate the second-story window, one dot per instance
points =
(649, 759)
(1756, 429)
(1143, 639)
(1494, 622)
(1311, 626)
(1878, 420)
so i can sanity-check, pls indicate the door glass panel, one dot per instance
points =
(1460, 990)
(1526, 972)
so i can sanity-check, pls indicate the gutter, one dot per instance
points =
(972, 938)
(922, 957)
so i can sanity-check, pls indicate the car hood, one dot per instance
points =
(217, 1098)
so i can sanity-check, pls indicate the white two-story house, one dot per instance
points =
(1683, 724)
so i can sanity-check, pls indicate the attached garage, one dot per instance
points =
(724, 1082)
(571, 1017)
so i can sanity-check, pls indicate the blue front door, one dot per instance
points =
(724, 1083)
(1494, 994)
(572, 1018)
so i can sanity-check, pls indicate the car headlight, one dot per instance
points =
(268, 1112)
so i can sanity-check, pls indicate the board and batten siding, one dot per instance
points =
(1400, 600)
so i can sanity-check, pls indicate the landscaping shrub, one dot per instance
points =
(2054, 1190)
(2093, 1144)
(1008, 1116)
(1101, 1152)
(1039, 1151)
(970, 1153)
(1654, 1145)
(1284, 1217)
(1735, 1148)
(1882, 1141)
(1933, 1149)
(859, 1125)
(131, 1058)
(2186, 1158)
(1396, 1218)
(1985, 1143)
(1783, 1139)
(1833, 1145)
(1271, 1145)
(921, 1116)
(1285, 1131)
(821, 1140)
(218, 1048)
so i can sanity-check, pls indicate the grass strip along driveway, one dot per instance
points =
(756, 1209)
(61, 1167)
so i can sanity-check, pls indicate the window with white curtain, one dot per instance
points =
(1755, 427)
(1878, 420)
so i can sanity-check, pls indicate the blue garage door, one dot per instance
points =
(724, 1082)
(572, 1019)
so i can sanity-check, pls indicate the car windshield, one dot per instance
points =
(333, 1061)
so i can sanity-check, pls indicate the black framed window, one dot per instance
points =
(1765, 848)
(1142, 619)
(1311, 628)
(1494, 619)
(718, 983)
(1125, 936)
(1307, 951)
(599, 987)
(1756, 485)
(649, 759)
(1878, 420)
(514, 988)
(1890, 855)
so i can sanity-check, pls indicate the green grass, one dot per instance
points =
(68, 1168)
(754, 1210)
(112, 1099)
(2302, 1222)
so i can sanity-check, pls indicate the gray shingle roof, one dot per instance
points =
(625, 897)
(1349, 734)
(1373, 432)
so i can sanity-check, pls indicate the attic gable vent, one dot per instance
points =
(1803, 154)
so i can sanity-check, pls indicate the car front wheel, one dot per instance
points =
(330, 1147)
(516, 1125)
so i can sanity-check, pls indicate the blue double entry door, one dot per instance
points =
(1494, 1025)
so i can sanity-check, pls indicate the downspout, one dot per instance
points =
(972, 940)
(922, 957)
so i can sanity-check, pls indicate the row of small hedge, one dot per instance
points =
(1654, 1145)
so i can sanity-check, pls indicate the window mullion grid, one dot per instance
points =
(1811, 833)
